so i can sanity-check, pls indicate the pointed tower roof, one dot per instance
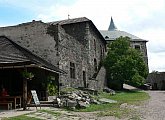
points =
(112, 26)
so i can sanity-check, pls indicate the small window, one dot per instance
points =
(101, 52)
(106, 37)
(72, 70)
(95, 65)
(94, 45)
(137, 47)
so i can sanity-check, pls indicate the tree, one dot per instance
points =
(124, 64)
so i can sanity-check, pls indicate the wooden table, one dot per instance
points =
(17, 99)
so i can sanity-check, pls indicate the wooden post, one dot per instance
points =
(24, 93)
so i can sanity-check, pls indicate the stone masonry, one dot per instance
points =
(74, 45)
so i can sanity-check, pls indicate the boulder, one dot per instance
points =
(71, 103)
(108, 90)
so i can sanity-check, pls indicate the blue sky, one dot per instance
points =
(143, 18)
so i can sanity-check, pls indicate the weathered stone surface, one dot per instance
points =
(105, 100)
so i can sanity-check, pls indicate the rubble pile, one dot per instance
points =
(76, 99)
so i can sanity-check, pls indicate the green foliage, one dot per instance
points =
(137, 80)
(123, 63)
(52, 89)
(27, 75)
(51, 86)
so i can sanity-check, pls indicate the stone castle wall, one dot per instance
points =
(61, 45)
(33, 36)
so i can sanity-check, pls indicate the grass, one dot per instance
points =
(113, 109)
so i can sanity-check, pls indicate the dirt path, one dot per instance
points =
(154, 108)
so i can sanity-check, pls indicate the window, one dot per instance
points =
(137, 47)
(94, 45)
(95, 65)
(106, 37)
(101, 52)
(72, 70)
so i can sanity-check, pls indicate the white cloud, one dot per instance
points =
(156, 61)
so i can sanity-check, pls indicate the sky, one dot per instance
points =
(142, 18)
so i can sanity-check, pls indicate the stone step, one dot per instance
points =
(43, 105)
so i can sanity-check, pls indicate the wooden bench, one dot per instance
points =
(9, 104)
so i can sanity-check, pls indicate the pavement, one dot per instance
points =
(16, 112)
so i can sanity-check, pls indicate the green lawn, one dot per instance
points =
(113, 109)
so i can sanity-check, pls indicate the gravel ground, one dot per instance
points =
(154, 108)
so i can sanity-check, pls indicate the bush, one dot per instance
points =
(137, 80)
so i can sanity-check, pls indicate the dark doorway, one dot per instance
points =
(163, 85)
(84, 79)
(155, 86)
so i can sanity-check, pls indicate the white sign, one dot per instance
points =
(35, 97)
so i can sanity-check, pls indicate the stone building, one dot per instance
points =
(157, 80)
(112, 33)
(73, 45)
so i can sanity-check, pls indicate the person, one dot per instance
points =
(4, 92)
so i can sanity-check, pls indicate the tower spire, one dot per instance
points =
(112, 26)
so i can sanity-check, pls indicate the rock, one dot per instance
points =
(59, 102)
(51, 98)
(93, 101)
(124, 105)
(108, 90)
(76, 98)
(83, 104)
(105, 100)
(71, 103)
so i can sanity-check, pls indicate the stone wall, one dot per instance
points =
(33, 36)
(77, 43)
(143, 49)
(79, 49)
(157, 80)
(71, 50)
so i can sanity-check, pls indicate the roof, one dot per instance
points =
(112, 25)
(112, 33)
(13, 54)
(70, 21)
(78, 20)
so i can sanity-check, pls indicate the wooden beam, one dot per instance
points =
(24, 93)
